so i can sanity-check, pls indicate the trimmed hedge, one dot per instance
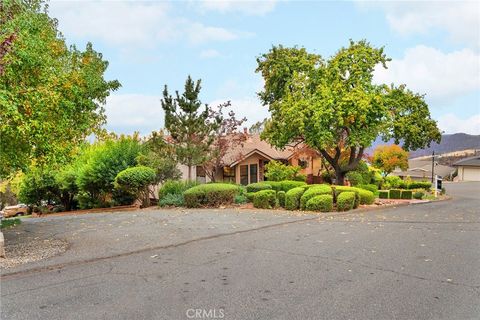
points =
(258, 186)
(322, 203)
(265, 199)
(340, 189)
(406, 194)
(249, 196)
(346, 201)
(292, 198)
(211, 194)
(312, 192)
(395, 194)
(418, 195)
(420, 185)
(370, 187)
(366, 197)
(383, 194)
(175, 187)
(281, 198)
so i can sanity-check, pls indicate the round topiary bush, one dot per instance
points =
(322, 203)
(345, 201)
(370, 187)
(292, 198)
(265, 199)
(258, 186)
(418, 195)
(136, 180)
(366, 197)
(339, 189)
(211, 194)
(312, 192)
(281, 198)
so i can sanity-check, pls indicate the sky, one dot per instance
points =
(434, 46)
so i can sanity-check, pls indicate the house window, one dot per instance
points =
(229, 174)
(201, 175)
(253, 173)
(244, 175)
(303, 163)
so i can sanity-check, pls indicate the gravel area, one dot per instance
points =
(31, 251)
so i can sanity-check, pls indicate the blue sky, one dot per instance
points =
(435, 47)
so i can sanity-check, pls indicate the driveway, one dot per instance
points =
(411, 262)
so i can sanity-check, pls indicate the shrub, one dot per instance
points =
(322, 203)
(265, 199)
(211, 194)
(292, 198)
(383, 194)
(341, 189)
(136, 180)
(418, 195)
(312, 192)
(300, 177)
(258, 186)
(175, 187)
(395, 193)
(281, 198)
(289, 184)
(370, 187)
(277, 171)
(392, 182)
(172, 199)
(346, 201)
(406, 194)
(240, 199)
(355, 178)
(420, 185)
(366, 197)
(249, 196)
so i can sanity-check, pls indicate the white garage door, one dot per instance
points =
(471, 173)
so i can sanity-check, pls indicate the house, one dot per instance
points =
(420, 170)
(245, 163)
(468, 169)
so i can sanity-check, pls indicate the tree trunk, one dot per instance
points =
(189, 173)
(340, 176)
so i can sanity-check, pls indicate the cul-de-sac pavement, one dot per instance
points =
(411, 262)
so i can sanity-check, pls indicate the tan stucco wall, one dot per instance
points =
(314, 163)
(468, 173)
(253, 159)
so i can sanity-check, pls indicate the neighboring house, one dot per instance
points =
(419, 170)
(468, 169)
(245, 163)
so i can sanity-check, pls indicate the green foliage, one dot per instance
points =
(249, 196)
(406, 194)
(240, 199)
(383, 194)
(355, 178)
(39, 185)
(420, 185)
(340, 189)
(288, 184)
(51, 95)
(312, 192)
(322, 203)
(258, 186)
(281, 198)
(292, 198)
(172, 200)
(264, 199)
(395, 194)
(370, 187)
(366, 197)
(393, 182)
(66, 179)
(175, 187)
(136, 180)
(346, 201)
(418, 195)
(211, 194)
(335, 107)
(277, 171)
(11, 222)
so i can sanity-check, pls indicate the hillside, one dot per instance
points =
(449, 143)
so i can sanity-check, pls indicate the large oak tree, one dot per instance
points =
(335, 107)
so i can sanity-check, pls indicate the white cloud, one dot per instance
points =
(450, 123)
(428, 70)
(132, 23)
(460, 19)
(209, 53)
(248, 7)
(127, 113)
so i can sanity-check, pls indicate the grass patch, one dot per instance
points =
(7, 223)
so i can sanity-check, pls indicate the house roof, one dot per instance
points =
(469, 162)
(252, 145)
(423, 168)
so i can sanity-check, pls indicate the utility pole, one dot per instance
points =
(433, 167)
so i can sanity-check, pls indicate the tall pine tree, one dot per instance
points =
(191, 128)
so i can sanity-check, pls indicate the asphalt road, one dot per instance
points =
(411, 262)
